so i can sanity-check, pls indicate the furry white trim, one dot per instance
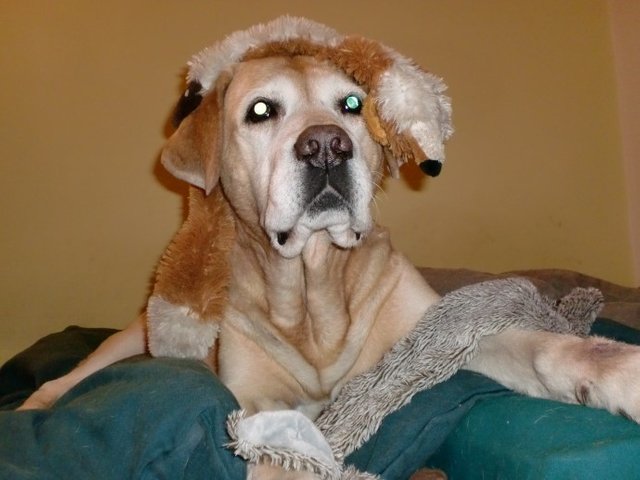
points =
(414, 101)
(285, 438)
(176, 331)
(205, 66)
(288, 439)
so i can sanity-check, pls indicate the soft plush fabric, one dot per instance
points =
(141, 419)
(159, 418)
(622, 304)
(500, 434)
(441, 343)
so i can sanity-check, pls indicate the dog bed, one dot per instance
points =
(161, 418)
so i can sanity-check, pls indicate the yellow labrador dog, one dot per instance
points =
(314, 293)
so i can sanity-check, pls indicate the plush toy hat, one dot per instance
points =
(406, 110)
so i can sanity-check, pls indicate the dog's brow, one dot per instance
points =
(332, 88)
(331, 79)
(282, 88)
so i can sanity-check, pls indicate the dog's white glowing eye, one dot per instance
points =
(260, 111)
(260, 108)
(351, 104)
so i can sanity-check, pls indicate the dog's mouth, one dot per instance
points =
(290, 244)
(283, 237)
(328, 211)
(328, 200)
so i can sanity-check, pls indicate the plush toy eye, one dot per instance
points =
(260, 111)
(351, 104)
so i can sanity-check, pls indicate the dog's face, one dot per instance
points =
(292, 151)
(297, 151)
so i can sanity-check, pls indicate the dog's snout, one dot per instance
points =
(323, 146)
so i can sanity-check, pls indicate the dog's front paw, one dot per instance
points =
(46, 395)
(616, 385)
(596, 372)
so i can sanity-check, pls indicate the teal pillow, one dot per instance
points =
(164, 418)
(409, 437)
(142, 419)
(516, 437)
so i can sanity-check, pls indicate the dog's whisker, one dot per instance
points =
(374, 197)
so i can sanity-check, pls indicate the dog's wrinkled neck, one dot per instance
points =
(298, 297)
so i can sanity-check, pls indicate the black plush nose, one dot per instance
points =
(323, 146)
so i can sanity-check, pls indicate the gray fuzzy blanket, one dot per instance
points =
(444, 340)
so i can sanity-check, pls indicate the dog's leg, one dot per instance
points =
(126, 343)
(589, 370)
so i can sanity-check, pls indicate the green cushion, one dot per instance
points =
(409, 437)
(162, 418)
(515, 437)
(139, 419)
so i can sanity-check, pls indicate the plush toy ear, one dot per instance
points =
(192, 153)
(415, 114)
(406, 111)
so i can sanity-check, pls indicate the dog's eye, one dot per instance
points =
(351, 104)
(260, 111)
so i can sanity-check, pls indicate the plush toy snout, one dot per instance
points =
(431, 167)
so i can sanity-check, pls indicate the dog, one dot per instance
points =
(310, 292)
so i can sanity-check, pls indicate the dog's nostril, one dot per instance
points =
(310, 148)
(341, 145)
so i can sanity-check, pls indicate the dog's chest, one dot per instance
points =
(266, 367)
(295, 331)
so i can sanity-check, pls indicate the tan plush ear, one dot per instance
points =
(192, 153)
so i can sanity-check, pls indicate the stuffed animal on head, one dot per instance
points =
(406, 110)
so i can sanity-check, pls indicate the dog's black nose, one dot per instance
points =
(323, 146)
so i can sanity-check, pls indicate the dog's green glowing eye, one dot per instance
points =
(260, 111)
(351, 104)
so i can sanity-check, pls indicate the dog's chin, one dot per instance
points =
(342, 229)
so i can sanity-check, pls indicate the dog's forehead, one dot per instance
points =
(305, 74)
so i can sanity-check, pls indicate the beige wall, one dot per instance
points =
(625, 32)
(534, 176)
